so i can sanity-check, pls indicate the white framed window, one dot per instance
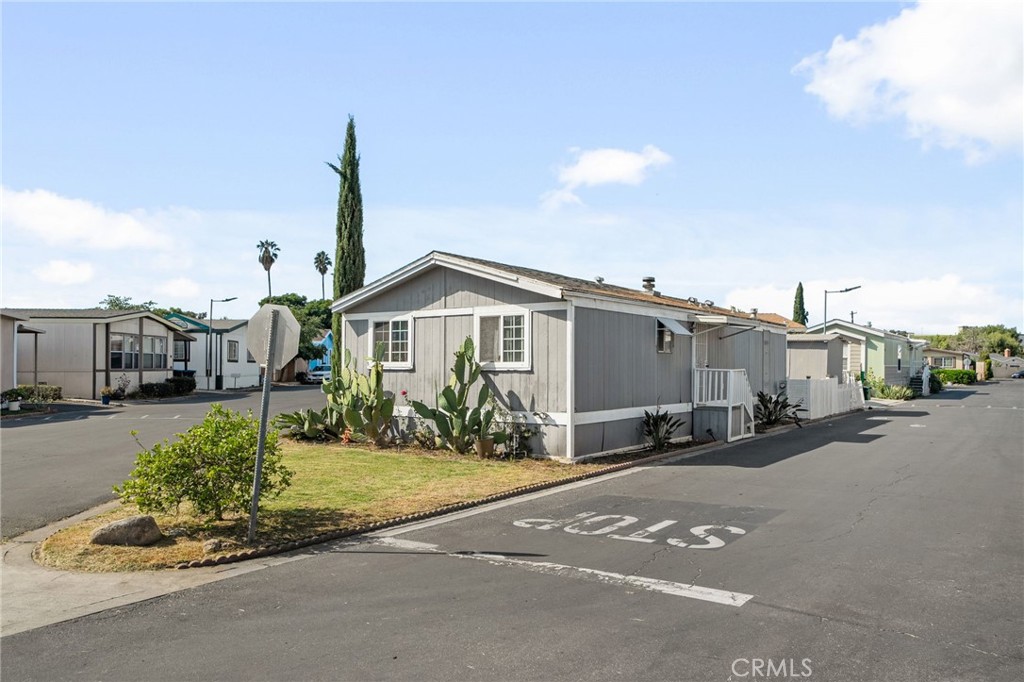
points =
(396, 335)
(124, 351)
(664, 338)
(154, 352)
(232, 351)
(503, 339)
(181, 351)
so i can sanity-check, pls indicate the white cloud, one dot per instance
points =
(63, 221)
(63, 272)
(951, 70)
(178, 289)
(926, 305)
(602, 167)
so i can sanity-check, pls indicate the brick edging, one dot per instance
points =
(270, 550)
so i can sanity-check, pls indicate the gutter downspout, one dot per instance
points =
(14, 360)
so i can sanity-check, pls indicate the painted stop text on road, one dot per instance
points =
(686, 525)
(707, 536)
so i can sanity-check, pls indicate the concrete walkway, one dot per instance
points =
(32, 596)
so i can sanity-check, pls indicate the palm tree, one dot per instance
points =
(322, 262)
(268, 256)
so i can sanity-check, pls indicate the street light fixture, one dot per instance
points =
(209, 337)
(827, 292)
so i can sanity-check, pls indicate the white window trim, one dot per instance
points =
(372, 344)
(497, 311)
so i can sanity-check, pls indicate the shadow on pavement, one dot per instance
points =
(759, 453)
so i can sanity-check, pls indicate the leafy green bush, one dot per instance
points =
(956, 376)
(988, 369)
(934, 383)
(43, 392)
(211, 465)
(773, 409)
(182, 385)
(657, 428)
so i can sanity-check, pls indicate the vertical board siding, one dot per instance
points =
(761, 353)
(618, 364)
(443, 288)
(435, 341)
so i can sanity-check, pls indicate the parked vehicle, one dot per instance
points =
(317, 376)
(1017, 375)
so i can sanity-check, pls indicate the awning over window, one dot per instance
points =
(674, 326)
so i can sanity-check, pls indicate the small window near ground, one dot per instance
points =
(232, 351)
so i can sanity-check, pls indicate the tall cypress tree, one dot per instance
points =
(799, 311)
(350, 258)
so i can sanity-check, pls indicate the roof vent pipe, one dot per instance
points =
(648, 284)
(599, 279)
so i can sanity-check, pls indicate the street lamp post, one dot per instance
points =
(209, 339)
(837, 291)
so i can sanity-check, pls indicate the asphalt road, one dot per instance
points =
(62, 464)
(886, 545)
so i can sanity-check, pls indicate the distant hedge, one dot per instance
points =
(956, 376)
(43, 392)
(182, 385)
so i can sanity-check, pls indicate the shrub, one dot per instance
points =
(773, 409)
(155, 390)
(211, 466)
(42, 392)
(934, 383)
(896, 392)
(307, 424)
(181, 385)
(988, 369)
(657, 428)
(957, 376)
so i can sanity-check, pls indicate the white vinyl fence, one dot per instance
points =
(825, 397)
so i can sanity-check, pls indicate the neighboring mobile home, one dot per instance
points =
(582, 360)
(894, 358)
(940, 358)
(221, 359)
(816, 356)
(12, 325)
(84, 350)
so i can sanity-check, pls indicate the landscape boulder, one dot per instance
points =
(135, 531)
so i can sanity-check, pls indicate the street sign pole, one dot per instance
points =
(264, 415)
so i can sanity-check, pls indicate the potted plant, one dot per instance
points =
(105, 394)
(13, 397)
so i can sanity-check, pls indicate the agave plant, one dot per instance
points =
(775, 409)
(657, 428)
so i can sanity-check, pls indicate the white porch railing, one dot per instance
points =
(730, 389)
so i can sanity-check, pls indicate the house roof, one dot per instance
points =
(775, 318)
(200, 326)
(811, 338)
(94, 314)
(944, 351)
(548, 283)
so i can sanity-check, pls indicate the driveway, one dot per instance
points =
(64, 463)
(884, 545)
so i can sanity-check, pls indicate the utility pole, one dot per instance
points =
(852, 313)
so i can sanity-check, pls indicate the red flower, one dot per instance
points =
(404, 393)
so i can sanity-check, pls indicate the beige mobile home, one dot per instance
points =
(84, 350)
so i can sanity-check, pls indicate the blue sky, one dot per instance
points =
(731, 150)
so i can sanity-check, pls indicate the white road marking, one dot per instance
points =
(177, 416)
(878, 419)
(143, 416)
(669, 587)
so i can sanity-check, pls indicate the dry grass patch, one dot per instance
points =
(334, 487)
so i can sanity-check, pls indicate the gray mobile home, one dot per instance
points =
(581, 360)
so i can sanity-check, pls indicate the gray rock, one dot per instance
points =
(135, 531)
(218, 545)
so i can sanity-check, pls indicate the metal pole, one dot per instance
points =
(262, 443)
(825, 322)
(209, 347)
